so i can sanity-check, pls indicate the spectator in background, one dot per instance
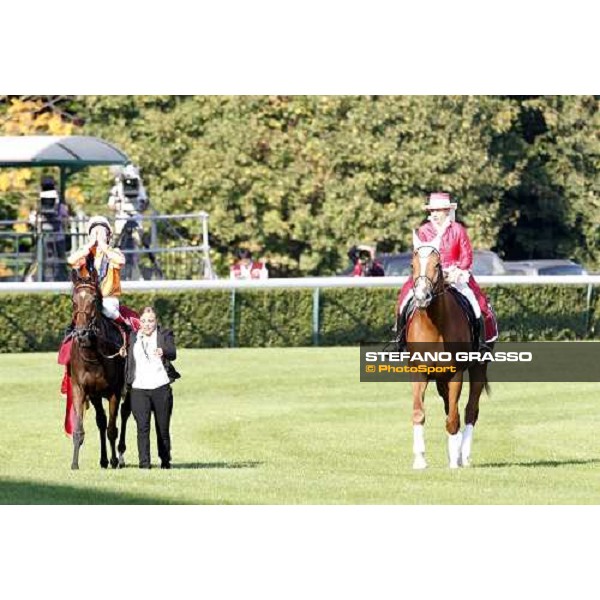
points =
(365, 264)
(246, 268)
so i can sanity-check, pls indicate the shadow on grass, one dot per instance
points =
(543, 463)
(250, 464)
(19, 492)
(15, 491)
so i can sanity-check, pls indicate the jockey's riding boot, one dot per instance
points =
(400, 331)
(123, 324)
(482, 345)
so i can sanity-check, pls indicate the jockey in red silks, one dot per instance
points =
(456, 254)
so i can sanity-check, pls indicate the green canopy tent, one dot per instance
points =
(69, 154)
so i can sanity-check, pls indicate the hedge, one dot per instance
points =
(203, 319)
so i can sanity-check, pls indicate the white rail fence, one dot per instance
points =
(314, 283)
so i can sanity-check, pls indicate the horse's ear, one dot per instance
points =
(435, 242)
(75, 276)
(94, 278)
(417, 243)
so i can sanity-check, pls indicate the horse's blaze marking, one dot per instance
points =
(423, 266)
(424, 254)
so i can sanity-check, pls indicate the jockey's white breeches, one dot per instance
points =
(463, 288)
(110, 307)
(468, 293)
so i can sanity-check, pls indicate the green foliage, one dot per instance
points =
(553, 211)
(285, 317)
(299, 179)
(527, 313)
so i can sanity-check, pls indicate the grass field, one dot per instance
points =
(294, 426)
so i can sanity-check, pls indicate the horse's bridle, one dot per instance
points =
(432, 283)
(92, 327)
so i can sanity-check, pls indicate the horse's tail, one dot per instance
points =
(486, 383)
(487, 387)
(442, 388)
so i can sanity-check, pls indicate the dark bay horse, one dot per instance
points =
(440, 322)
(97, 370)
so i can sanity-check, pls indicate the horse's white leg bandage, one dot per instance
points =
(465, 449)
(454, 443)
(419, 447)
(110, 307)
(418, 438)
(467, 292)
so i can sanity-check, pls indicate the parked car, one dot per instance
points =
(396, 265)
(485, 262)
(550, 266)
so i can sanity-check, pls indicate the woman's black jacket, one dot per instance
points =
(165, 340)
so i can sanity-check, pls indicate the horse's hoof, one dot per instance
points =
(465, 462)
(121, 461)
(454, 465)
(74, 467)
(114, 463)
(419, 463)
(104, 464)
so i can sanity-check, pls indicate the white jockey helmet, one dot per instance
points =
(99, 220)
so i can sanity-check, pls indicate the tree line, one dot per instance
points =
(299, 179)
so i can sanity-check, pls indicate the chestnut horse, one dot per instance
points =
(440, 321)
(97, 370)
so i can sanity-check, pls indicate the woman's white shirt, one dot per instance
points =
(150, 373)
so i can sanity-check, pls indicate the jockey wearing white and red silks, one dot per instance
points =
(456, 254)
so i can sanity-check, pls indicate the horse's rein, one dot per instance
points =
(118, 352)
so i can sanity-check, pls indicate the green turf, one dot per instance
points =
(294, 426)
